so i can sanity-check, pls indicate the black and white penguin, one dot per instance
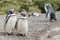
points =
(10, 22)
(22, 24)
(35, 14)
(50, 12)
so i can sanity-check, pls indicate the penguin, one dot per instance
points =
(22, 24)
(50, 12)
(10, 22)
(35, 14)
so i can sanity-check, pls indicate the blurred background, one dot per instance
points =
(28, 5)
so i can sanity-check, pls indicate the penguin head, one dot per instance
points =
(24, 13)
(11, 11)
(47, 4)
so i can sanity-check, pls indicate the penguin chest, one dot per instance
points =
(11, 24)
(22, 26)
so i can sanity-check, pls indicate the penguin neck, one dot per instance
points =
(12, 14)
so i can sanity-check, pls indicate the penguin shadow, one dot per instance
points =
(2, 33)
(11, 34)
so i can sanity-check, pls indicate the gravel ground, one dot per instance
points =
(39, 29)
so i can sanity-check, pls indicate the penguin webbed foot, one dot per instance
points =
(21, 35)
(55, 19)
(8, 34)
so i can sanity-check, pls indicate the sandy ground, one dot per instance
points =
(39, 29)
